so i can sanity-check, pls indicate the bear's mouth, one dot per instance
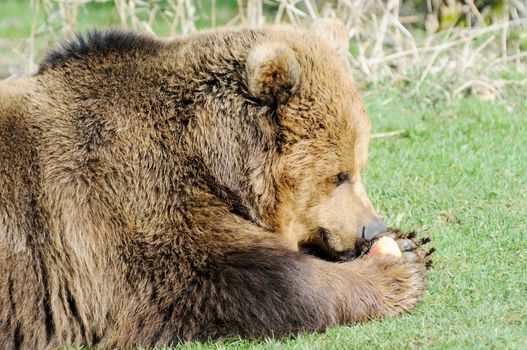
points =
(321, 248)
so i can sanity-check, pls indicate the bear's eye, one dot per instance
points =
(342, 177)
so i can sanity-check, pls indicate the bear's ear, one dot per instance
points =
(334, 32)
(273, 72)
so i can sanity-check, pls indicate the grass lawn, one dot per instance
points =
(460, 174)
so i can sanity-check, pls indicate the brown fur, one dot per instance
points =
(153, 192)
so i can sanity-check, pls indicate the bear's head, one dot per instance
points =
(322, 139)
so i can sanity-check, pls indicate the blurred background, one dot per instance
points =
(439, 49)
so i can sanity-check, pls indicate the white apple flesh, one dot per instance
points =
(385, 246)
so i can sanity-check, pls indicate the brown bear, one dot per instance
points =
(153, 192)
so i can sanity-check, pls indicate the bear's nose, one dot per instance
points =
(373, 228)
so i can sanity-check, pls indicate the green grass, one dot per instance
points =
(460, 173)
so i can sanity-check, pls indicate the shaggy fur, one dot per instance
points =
(153, 192)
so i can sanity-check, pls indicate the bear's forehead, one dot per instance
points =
(337, 119)
(340, 111)
(346, 135)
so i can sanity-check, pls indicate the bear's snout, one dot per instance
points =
(373, 229)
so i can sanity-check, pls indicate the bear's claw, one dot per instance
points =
(409, 244)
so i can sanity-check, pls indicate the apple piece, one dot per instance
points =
(385, 246)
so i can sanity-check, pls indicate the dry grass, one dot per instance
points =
(445, 64)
